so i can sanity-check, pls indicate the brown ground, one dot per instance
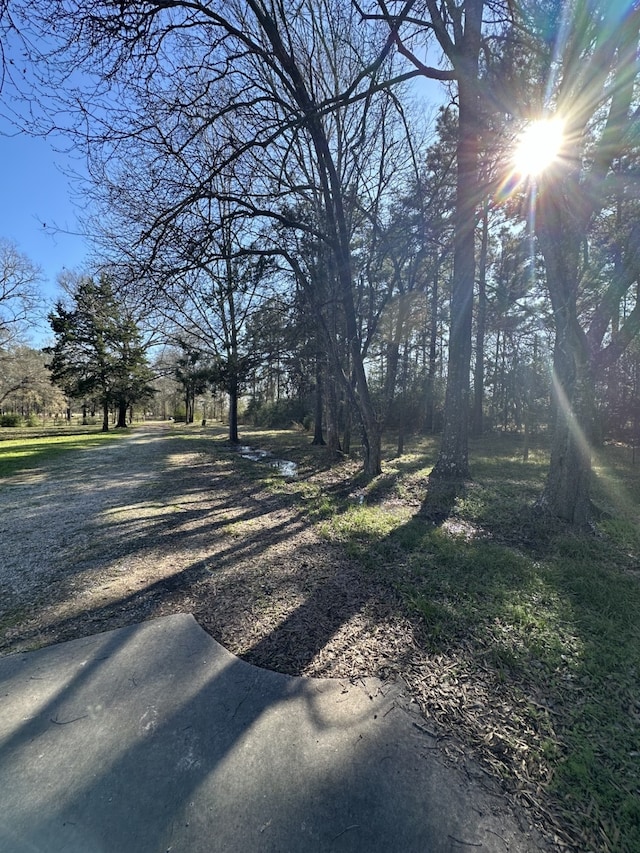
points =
(85, 551)
(145, 526)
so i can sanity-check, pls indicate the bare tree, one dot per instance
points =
(252, 78)
(20, 300)
(25, 382)
(461, 33)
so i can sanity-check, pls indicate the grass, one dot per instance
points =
(27, 453)
(550, 615)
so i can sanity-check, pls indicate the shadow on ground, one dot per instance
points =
(153, 737)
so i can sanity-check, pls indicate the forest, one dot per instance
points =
(321, 210)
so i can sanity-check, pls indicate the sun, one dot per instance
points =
(538, 146)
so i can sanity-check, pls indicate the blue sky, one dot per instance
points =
(37, 212)
(35, 202)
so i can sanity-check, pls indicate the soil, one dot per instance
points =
(154, 524)
(141, 528)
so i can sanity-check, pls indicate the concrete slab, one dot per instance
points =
(155, 738)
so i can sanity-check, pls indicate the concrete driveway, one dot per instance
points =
(155, 738)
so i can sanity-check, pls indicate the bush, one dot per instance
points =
(11, 420)
(279, 415)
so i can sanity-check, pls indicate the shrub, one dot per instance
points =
(11, 420)
(278, 415)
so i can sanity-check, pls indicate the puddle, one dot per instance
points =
(283, 466)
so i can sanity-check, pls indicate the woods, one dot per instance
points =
(257, 166)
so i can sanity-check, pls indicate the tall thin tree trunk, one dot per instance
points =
(452, 466)
(333, 429)
(318, 438)
(567, 490)
(233, 413)
(433, 354)
(495, 396)
(403, 397)
(477, 418)
(332, 194)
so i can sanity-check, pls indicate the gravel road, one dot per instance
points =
(92, 526)
(158, 522)
(54, 521)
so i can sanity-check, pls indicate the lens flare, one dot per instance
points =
(539, 146)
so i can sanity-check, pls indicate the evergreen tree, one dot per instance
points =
(98, 352)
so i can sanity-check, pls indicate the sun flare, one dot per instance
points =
(539, 146)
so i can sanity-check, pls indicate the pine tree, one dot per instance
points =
(98, 352)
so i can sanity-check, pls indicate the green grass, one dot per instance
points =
(11, 617)
(28, 453)
(553, 615)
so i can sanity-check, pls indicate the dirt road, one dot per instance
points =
(159, 522)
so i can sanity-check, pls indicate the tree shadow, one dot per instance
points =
(139, 784)
(119, 510)
(440, 499)
(207, 529)
(323, 607)
(154, 737)
(536, 624)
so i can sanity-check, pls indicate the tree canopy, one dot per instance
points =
(97, 351)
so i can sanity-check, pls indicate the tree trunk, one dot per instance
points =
(105, 417)
(453, 460)
(233, 414)
(403, 397)
(347, 422)
(332, 194)
(318, 438)
(477, 419)
(333, 429)
(566, 493)
(122, 416)
(393, 353)
(433, 355)
(359, 395)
